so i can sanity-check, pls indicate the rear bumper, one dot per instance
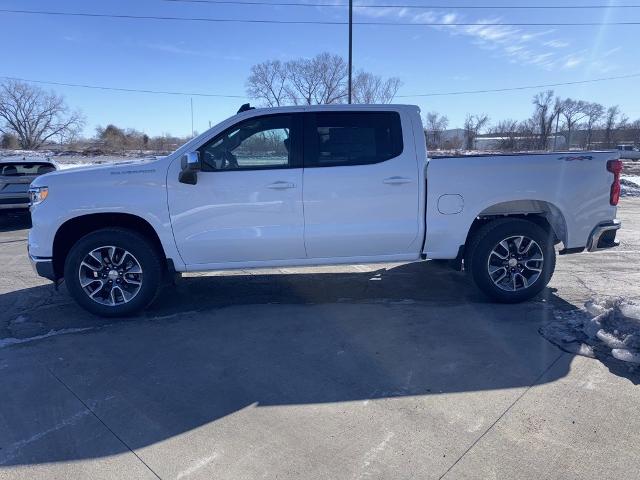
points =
(604, 236)
(43, 267)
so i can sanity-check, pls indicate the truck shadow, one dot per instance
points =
(11, 220)
(213, 346)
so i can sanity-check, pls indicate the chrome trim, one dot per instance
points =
(594, 238)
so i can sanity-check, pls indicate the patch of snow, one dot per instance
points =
(67, 166)
(603, 328)
(173, 315)
(6, 342)
(630, 186)
(20, 319)
(12, 451)
(633, 179)
(372, 456)
(197, 466)
(70, 159)
(19, 154)
(626, 355)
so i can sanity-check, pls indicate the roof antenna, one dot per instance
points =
(245, 107)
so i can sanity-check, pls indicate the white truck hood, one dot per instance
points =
(79, 173)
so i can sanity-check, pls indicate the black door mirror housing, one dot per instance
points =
(191, 165)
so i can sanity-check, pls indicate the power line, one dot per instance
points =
(395, 5)
(128, 90)
(435, 94)
(318, 22)
(526, 87)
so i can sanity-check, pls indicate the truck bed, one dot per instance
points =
(571, 189)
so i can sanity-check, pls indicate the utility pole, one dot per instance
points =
(555, 137)
(350, 44)
(192, 135)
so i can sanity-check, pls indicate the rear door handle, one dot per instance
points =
(280, 185)
(396, 180)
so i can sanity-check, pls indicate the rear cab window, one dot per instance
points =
(351, 138)
(24, 169)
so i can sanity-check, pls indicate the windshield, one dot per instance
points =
(24, 169)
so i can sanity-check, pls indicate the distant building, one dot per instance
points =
(495, 143)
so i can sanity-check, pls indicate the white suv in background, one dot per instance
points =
(629, 152)
(16, 174)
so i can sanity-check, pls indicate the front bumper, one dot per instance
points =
(12, 203)
(43, 267)
(604, 236)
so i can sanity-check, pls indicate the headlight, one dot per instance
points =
(38, 195)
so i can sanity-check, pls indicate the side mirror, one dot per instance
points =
(190, 167)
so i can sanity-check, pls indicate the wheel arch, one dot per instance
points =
(543, 213)
(77, 227)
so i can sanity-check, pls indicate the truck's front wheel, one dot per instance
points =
(511, 260)
(113, 272)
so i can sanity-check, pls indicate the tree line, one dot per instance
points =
(562, 123)
(31, 117)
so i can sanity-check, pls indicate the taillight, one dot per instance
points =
(615, 167)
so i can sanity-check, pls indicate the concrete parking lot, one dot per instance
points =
(387, 371)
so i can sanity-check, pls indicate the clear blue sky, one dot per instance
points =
(216, 57)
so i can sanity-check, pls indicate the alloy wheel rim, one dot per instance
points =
(515, 263)
(110, 275)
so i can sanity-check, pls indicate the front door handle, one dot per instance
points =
(280, 185)
(396, 180)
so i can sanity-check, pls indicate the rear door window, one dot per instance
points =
(18, 169)
(351, 138)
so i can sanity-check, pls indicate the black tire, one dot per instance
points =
(486, 238)
(145, 253)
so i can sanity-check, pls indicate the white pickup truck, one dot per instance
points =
(317, 185)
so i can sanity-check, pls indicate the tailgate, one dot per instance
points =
(12, 185)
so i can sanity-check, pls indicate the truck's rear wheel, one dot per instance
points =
(113, 272)
(511, 260)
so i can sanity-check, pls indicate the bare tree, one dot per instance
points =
(435, 124)
(573, 111)
(472, 126)
(527, 136)
(112, 137)
(318, 80)
(611, 121)
(546, 110)
(304, 80)
(593, 114)
(333, 78)
(634, 131)
(9, 141)
(267, 82)
(34, 115)
(370, 88)
(507, 132)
